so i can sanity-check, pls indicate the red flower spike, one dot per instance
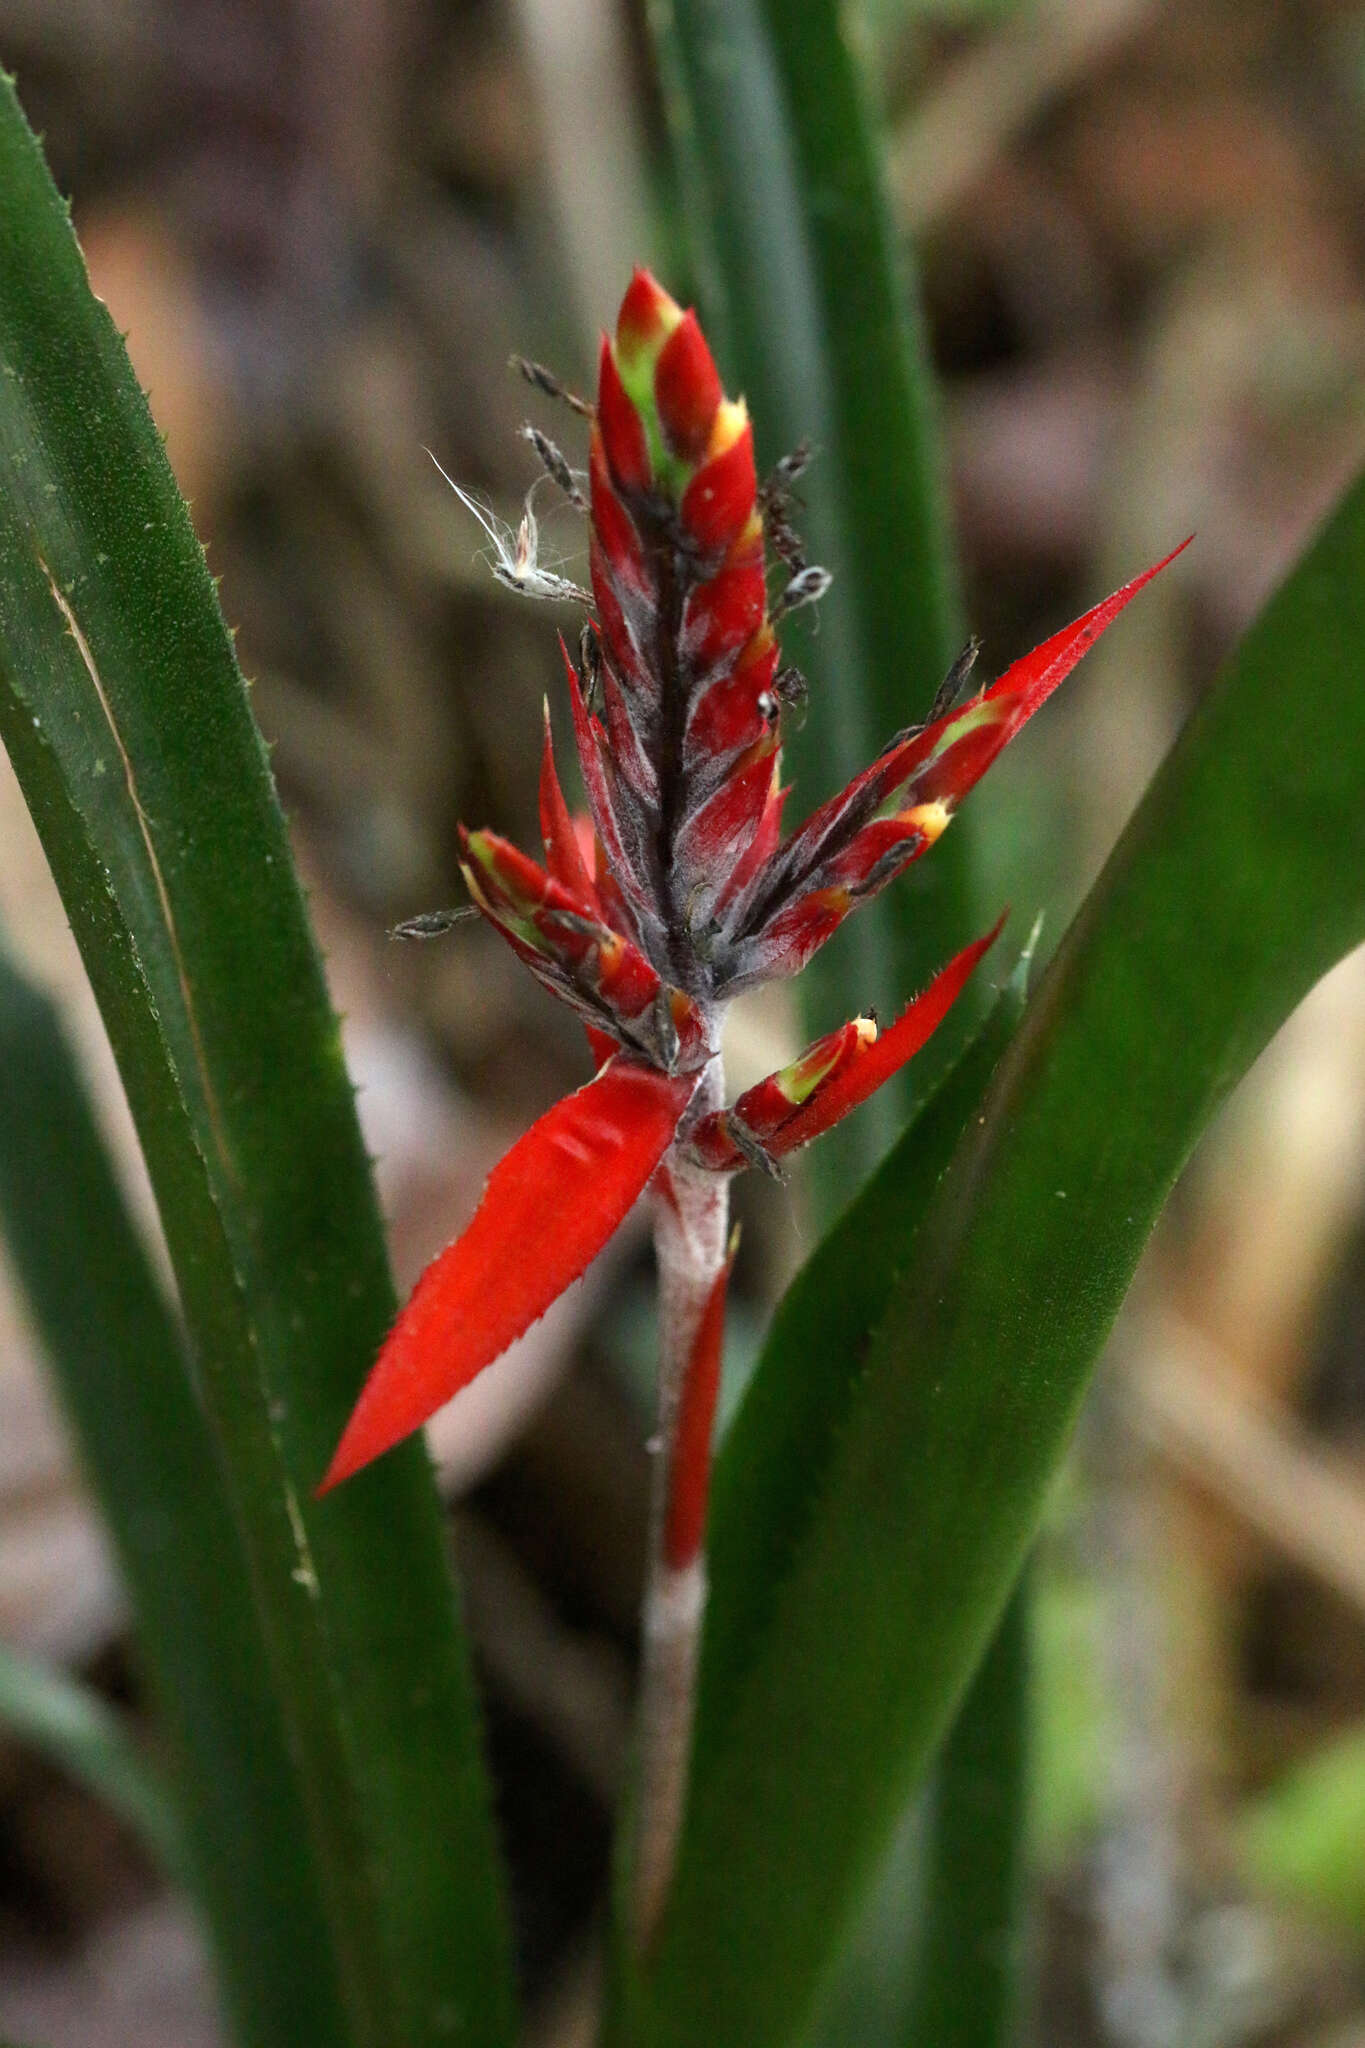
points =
(689, 895)
(596, 1150)
(690, 1476)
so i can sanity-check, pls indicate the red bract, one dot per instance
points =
(596, 1150)
(682, 893)
(832, 1077)
(685, 1521)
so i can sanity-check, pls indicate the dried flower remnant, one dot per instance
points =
(679, 893)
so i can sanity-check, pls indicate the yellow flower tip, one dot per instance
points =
(732, 417)
(930, 819)
(866, 1028)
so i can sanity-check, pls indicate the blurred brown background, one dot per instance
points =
(324, 225)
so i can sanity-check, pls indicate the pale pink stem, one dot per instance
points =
(691, 1217)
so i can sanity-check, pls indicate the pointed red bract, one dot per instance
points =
(548, 1209)
(761, 847)
(647, 315)
(687, 390)
(772, 1102)
(851, 846)
(614, 540)
(722, 615)
(945, 760)
(718, 502)
(690, 1477)
(563, 853)
(719, 834)
(852, 1084)
(590, 743)
(831, 1078)
(621, 428)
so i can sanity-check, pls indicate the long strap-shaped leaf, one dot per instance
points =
(777, 1453)
(920, 1938)
(1238, 883)
(126, 719)
(119, 1366)
(940, 1954)
(812, 318)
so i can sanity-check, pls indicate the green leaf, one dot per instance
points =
(775, 1458)
(868, 1996)
(129, 728)
(776, 1452)
(120, 1372)
(812, 317)
(1300, 1839)
(937, 1955)
(72, 1726)
(967, 1960)
(1239, 881)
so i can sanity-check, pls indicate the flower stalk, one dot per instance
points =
(691, 1213)
(676, 894)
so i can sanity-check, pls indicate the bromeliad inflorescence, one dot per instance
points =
(680, 894)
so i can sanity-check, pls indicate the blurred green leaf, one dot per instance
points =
(71, 1726)
(1070, 1724)
(129, 728)
(120, 1371)
(1239, 881)
(813, 318)
(1300, 1840)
